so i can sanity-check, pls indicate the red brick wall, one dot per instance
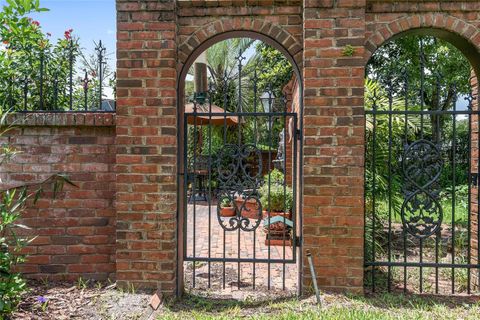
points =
(385, 19)
(76, 230)
(155, 40)
(146, 144)
(279, 20)
(334, 137)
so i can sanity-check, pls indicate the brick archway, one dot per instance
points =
(259, 28)
(189, 51)
(154, 42)
(465, 36)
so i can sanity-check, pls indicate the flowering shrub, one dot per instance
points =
(37, 72)
(28, 58)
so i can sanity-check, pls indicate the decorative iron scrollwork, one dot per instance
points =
(239, 173)
(421, 211)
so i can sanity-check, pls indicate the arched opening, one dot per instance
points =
(239, 119)
(421, 165)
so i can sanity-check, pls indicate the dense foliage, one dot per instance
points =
(276, 198)
(388, 67)
(446, 74)
(395, 81)
(263, 69)
(275, 72)
(35, 70)
(274, 177)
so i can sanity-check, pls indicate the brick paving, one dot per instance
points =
(226, 244)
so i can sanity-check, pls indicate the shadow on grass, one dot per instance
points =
(388, 302)
(192, 302)
(396, 296)
(416, 301)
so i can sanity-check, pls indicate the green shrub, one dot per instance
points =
(276, 199)
(276, 177)
(12, 285)
(26, 50)
(226, 203)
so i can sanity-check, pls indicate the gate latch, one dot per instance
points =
(298, 241)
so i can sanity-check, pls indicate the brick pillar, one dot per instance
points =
(474, 189)
(146, 144)
(334, 142)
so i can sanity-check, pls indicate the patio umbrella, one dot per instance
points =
(201, 87)
(217, 120)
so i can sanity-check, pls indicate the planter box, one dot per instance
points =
(278, 241)
(277, 233)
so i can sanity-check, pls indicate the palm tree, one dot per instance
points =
(223, 61)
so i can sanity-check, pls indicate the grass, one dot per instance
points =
(386, 306)
(461, 212)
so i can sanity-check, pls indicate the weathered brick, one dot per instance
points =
(73, 143)
(53, 268)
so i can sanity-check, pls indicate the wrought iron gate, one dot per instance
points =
(421, 189)
(240, 190)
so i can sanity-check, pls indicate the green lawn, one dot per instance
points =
(461, 212)
(387, 306)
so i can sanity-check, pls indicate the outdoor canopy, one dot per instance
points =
(206, 119)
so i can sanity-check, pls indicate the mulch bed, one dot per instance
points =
(81, 301)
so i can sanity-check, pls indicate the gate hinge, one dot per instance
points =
(298, 241)
(474, 179)
(298, 133)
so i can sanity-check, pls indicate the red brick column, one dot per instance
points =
(334, 142)
(474, 189)
(146, 144)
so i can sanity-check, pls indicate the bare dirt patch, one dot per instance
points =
(82, 301)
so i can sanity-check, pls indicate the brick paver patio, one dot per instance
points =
(227, 244)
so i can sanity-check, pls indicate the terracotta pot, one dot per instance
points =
(227, 211)
(287, 215)
(278, 243)
(250, 210)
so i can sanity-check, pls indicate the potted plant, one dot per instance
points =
(278, 231)
(277, 200)
(249, 206)
(276, 177)
(226, 208)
